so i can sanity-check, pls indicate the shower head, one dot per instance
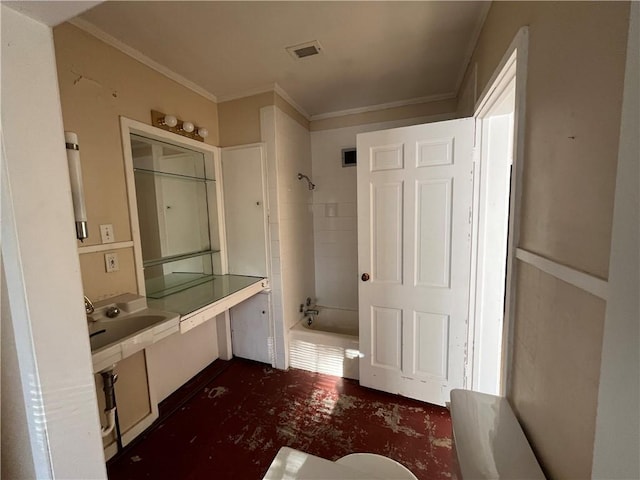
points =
(310, 184)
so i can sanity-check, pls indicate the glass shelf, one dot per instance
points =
(172, 175)
(169, 275)
(162, 260)
(196, 296)
(175, 282)
(158, 157)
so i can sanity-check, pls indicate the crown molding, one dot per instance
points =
(271, 87)
(100, 34)
(280, 91)
(384, 106)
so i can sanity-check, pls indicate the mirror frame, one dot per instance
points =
(128, 127)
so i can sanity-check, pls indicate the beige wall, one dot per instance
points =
(240, 118)
(573, 106)
(98, 83)
(556, 369)
(574, 96)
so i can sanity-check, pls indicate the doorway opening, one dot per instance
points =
(499, 132)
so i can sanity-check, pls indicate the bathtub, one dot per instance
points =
(330, 345)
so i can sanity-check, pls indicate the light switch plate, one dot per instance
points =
(111, 262)
(106, 233)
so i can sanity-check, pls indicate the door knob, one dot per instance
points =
(365, 277)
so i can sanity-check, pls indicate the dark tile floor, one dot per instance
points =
(230, 421)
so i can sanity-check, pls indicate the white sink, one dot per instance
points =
(135, 328)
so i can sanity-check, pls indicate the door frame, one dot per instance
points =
(512, 65)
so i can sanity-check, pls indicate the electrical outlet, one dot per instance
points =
(106, 232)
(111, 262)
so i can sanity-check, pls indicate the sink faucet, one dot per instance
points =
(88, 306)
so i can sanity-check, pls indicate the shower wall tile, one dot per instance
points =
(273, 204)
(268, 135)
(336, 238)
(348, 209)
(295, 218)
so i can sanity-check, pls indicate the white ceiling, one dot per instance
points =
(50, 13)
(373, 52)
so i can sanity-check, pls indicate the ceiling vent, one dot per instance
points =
(305, 49)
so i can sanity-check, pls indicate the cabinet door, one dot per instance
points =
(250, 332)
(245, 197)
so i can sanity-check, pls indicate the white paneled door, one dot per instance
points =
(415, 189)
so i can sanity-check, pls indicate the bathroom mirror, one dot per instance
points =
(175, 189)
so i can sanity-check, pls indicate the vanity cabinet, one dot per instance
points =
(178, 223)
(251, 335)
(137, 409)
(179, 220)
(176, 196)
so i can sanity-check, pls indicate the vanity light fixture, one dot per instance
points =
(170, 120)
(188, 126)
(180, 127)
(77, 189)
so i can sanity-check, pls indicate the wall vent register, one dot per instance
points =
(349, 157)
(304, 50)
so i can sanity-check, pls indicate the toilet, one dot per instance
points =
(488, 439)
(378, 466)
(291, 464)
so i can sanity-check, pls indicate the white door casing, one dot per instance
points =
(415, 188)
(492, 235)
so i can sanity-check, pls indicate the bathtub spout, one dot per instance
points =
(311, 311)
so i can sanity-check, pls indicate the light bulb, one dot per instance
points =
(203, 132)
(188, 127)
(170, 120)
